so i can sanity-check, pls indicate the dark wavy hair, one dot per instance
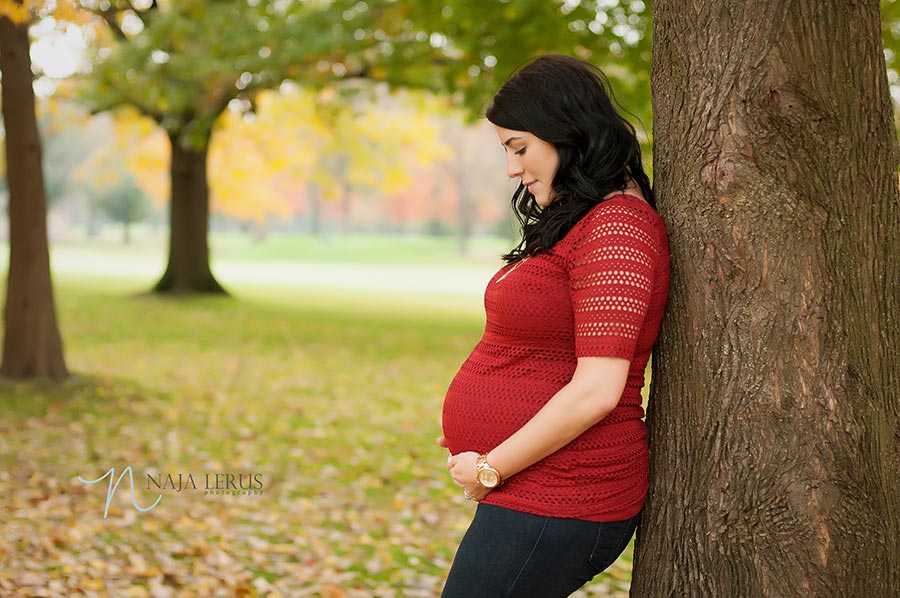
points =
(567, 102)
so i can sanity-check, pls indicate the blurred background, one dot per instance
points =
(334, 131)
(270, 224)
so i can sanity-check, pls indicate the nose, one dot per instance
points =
(513, 165)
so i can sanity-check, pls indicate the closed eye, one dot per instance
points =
(521, 152)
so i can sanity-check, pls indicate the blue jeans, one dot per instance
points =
(510, 554)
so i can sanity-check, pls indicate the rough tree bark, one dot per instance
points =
(775, 410)
(32, 346)
(188, 269)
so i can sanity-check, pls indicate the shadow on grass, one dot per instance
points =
(36, 398)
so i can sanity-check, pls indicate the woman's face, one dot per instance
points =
(531, 159)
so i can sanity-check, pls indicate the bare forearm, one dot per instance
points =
(594, 391)
(571, 411)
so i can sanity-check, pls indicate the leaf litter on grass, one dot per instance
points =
(337, 414)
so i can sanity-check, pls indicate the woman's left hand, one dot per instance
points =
(462, 470)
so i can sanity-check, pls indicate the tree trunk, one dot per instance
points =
(464, 205)
(188, 270)
(32, 346)
(259, 231)
(315, 209)
(346, 198)
(775, 410)
(93, 221)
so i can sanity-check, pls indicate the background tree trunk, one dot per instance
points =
(188, 270)
(32, 346)
(775, 410)
(346, 200)
(316, 228)
(464, 201)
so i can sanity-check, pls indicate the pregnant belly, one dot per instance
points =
(480, 412)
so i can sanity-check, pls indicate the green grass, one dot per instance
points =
(281, 246)
(356, 248)
(333, 398)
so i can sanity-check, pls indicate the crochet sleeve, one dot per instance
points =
(611, 266)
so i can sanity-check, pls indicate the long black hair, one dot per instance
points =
(566, 102)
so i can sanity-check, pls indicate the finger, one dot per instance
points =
(442, 441)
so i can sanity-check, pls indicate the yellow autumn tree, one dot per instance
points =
(384, 141)
(28, 12)
(374, 142)
(243, 171)
(136, 146)
(241, 181)
(259, 160)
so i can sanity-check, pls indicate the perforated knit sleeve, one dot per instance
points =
(611, 265)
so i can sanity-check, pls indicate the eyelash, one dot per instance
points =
(521, 152)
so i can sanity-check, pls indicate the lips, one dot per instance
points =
(528, 185)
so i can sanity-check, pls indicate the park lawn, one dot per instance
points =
(333, 399)
(411, 248)
(287, 246)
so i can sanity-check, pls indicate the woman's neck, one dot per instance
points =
(631, 188)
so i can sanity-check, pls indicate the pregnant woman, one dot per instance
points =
(543, 421)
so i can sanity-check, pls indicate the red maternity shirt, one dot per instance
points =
(601, 290)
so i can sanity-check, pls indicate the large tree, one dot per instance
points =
(775, 411)
(182, 63)
(32, 346)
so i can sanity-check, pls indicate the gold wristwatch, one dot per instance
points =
(486, 475)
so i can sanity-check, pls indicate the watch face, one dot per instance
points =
(488, 478)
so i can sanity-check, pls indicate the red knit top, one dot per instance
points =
(601, 290)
